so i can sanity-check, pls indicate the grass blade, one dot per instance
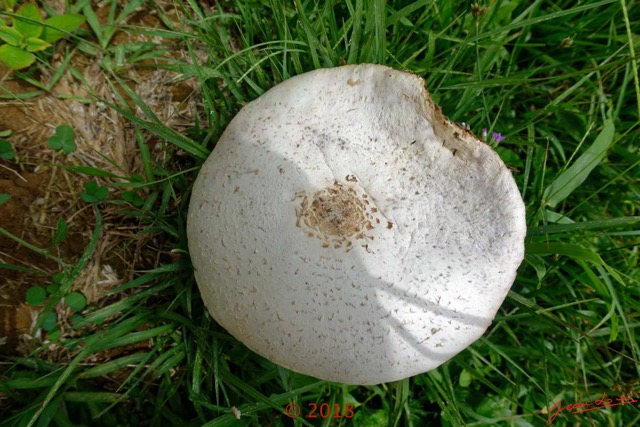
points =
(581, 226)
(571, 178)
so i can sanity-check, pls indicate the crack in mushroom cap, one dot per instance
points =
(345, 229)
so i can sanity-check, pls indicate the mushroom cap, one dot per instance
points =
(345, 229)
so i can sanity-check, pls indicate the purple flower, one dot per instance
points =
(498, 138)
(484, 133)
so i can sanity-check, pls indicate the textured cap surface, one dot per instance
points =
(345, 229)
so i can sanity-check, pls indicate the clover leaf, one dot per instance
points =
(63, 139)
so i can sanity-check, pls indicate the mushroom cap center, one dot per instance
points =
(337, 211)
(337, 215)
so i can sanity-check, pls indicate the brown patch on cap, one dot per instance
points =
(336, 214)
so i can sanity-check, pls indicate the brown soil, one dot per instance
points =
(33, 189)
(43, 193)
(15, 318)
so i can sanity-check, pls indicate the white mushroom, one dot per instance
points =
(344, 228)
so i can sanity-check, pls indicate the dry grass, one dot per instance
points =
(105, 141)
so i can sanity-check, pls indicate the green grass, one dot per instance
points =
(557, 79)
